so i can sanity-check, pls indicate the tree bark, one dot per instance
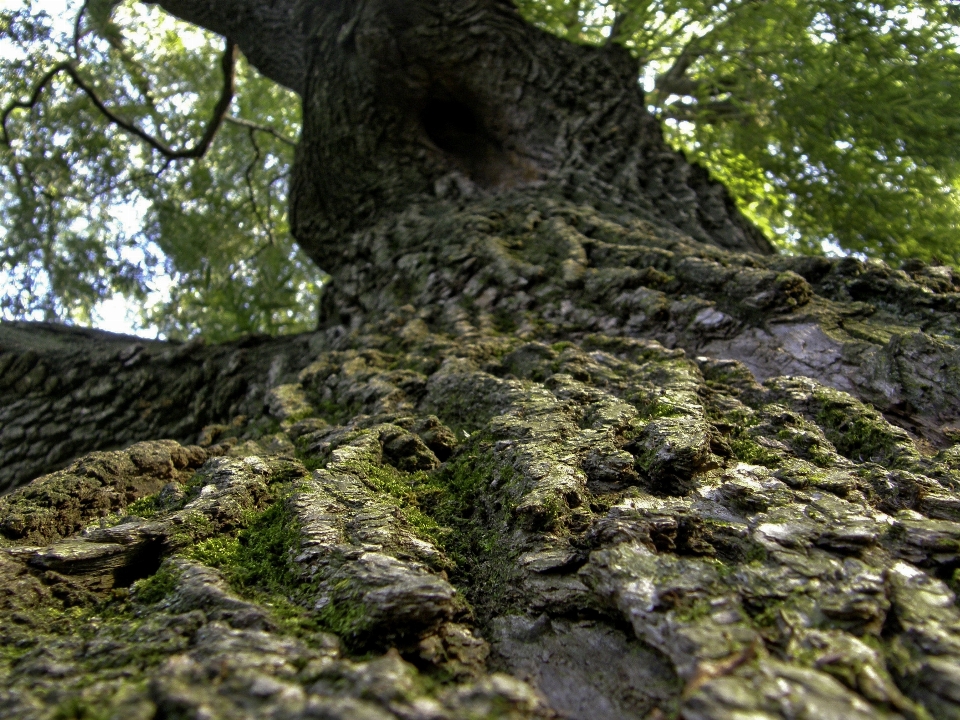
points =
(410, 101)
(569, 440)
(272, 33)
(419, 101)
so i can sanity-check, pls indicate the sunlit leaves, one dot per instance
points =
(89, 211)
(833, 122)
(99, 15)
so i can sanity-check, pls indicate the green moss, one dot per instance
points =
(218, 552)
(697, 610)
(660, 409)
(425, 526)
(549, 514)
(388, 479)
(191, 489)
(747, 450)
(731, 544)
(337, 413)
(267, 425)
(475, 520)
(311, 463)
(194, 527)
(76, 709)
(768, 617)
(257, 563)
(60, 631)
(504, 322)
(344, 618)
(820, 457)
(156, 587)
(954, 584)
(9, 653)
(858, 431)
(286, 473)
(756, 553)
(145, 507)
(258, 557)
(408, 491)
(453, 492)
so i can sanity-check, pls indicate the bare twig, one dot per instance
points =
(78, 29)
(261, 128)
(248, 176)
(198, 150)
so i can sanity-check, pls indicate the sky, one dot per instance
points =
(116, 314)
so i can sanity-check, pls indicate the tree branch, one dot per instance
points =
(616, 29)
(228, 65)
(261, 128)
(78, 29)
(674, 80)
(677, 73)
(705, 112)
(270, 34)
(248, 177)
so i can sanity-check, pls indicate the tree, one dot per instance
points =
(832, 125)
(570, 438)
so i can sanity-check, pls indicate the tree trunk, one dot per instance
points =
(569, 441)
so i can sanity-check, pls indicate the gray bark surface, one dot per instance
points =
(407, 102)
(66, 391)
(567, 445)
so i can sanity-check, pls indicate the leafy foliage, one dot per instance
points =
(89, 211)
(835, 124)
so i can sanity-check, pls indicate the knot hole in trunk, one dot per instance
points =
(456, 129)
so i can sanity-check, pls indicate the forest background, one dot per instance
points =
(835, 125)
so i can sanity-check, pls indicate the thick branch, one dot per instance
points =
(271, 33)
(617, 28)
(196, 151)
(677, 74)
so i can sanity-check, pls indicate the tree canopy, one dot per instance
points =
(140, 157)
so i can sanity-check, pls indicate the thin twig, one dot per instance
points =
(248, 176)
(261, 128)
(78, 29)
(198, 150)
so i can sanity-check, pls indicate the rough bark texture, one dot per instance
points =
(408, 102)
(66, 391)
(553, 452)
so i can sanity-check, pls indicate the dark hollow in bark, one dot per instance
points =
(409, 102)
